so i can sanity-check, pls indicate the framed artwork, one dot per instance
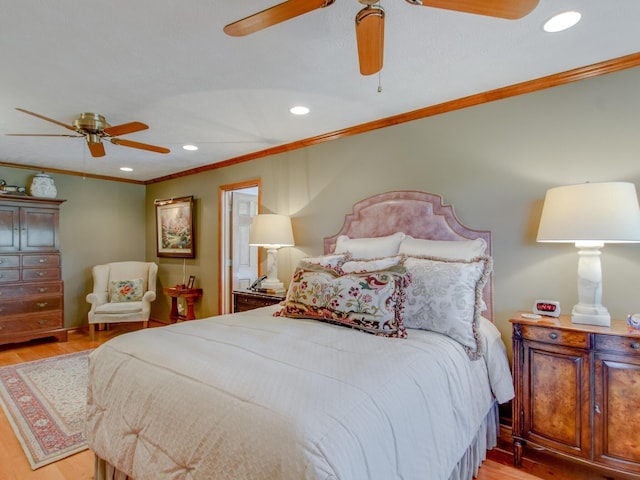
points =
(192, 281)
(174, 228)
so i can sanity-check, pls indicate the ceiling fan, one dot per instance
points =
(370, 20)
(94, 128)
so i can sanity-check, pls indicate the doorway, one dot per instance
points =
(239, 202)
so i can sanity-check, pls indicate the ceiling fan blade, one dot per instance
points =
(125, 128)
(141, 146)
(274, 15)
(370, 38)
(68, 127)
(41, 135)
(96, 149)
(509, 9)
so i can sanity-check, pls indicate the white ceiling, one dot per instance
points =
(168, 64)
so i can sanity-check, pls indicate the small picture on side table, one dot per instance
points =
(192, 281)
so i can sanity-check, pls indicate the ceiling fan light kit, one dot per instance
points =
(370, 20)
(94, 128)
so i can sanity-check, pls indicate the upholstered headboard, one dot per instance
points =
(418, 214)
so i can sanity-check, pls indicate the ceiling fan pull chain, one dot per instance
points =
(381, 47)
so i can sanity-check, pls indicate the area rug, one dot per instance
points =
(45, 402)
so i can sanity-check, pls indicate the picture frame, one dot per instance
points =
(192, 281)
(174, 228)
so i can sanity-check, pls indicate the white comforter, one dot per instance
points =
(252, 396)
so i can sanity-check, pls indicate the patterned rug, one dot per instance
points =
(44, 401)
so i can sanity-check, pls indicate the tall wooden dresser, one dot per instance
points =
(31, 289)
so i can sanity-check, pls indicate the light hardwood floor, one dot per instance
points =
(14, 464)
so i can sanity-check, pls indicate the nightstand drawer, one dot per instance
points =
(618, 344)
(556, 336)
(243, 301)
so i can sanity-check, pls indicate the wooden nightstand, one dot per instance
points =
(244, 300)
(189, 294)
(577, 391)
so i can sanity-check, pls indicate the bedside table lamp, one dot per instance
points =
(271, 232)
(590, 215)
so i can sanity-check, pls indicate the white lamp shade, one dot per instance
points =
(271, 231)
(591, 212)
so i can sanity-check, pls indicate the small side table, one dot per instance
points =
(189, 294)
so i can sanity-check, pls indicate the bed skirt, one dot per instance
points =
(485, 439)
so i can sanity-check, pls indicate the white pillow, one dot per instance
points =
(369, 248)
(361, 266)
(450, 249)
(445, 296)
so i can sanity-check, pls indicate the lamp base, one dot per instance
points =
(273, 284)
(591, 315)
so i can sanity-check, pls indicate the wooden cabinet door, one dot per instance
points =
(9, 228)
(39, 229)
(616, 410)
(556, 398)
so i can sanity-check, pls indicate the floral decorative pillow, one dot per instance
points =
(371, 301)
(333, 261)
(445, 296)
(126, 291)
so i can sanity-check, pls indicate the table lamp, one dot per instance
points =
(590, 215)
(271, 232)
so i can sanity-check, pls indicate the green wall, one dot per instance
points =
(100, 221)
(493, 162)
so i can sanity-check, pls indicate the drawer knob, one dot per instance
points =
(42, 260)
(553, 335)
(42, 274)
(42, 290)
(43, 322)
(635, 345)
(42, 304)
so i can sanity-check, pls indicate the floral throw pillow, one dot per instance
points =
(368, 301)
(445, 296)
(126, 290)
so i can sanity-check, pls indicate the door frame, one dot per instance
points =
(225, 303)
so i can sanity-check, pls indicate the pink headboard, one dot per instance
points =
(418, 214)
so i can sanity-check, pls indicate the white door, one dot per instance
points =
(244, 258)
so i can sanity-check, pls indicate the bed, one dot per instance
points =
(264, 394)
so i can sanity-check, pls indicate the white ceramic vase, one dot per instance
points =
(43, 186)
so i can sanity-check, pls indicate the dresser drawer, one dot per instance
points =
(556, 336)
(8, 292)
(40, 274)
(49, 260)
(30, 324)
(9, 261)
(43, 304)
(9, 275)
(618, 344)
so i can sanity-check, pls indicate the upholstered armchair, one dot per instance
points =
(122, 292)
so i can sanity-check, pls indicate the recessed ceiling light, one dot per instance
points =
(562, 21)
(126, 169)
(190, 147)
(299, 110)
